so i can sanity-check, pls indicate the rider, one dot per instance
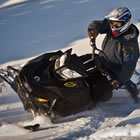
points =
(120, 46)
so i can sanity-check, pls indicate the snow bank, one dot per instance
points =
(11, 2)
(12, 130)
(128, 131)
(133, 118)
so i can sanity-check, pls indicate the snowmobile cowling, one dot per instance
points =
(57, 84)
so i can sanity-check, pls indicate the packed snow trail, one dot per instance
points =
(102, 121)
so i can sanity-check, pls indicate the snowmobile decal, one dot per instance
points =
(70, 84)
(42, 100)
(53, 57)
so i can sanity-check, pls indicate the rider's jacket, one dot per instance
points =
(122, 52)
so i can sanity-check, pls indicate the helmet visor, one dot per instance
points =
(116, 24)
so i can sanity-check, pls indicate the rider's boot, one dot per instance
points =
(133, 90)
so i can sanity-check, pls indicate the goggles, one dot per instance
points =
(116, 25)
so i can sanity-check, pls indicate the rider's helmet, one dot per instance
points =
(121, 15)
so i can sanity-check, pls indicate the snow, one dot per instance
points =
(29, 28)
(11, 2)
(133, 118)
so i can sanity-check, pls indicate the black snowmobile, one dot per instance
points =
(58, 84)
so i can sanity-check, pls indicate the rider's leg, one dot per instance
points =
(132, 89)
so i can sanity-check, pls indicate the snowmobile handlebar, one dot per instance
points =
(114, 83)
(92, 42)
(93, 45)
(94, 48)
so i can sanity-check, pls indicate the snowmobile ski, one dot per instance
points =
(33, 127)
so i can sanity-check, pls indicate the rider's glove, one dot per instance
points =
(115, 84)
(92, 34)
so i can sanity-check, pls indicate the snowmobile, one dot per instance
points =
(58, 84)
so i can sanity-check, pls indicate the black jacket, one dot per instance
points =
(122, 51)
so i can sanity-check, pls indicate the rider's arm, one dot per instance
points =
(130, 52)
